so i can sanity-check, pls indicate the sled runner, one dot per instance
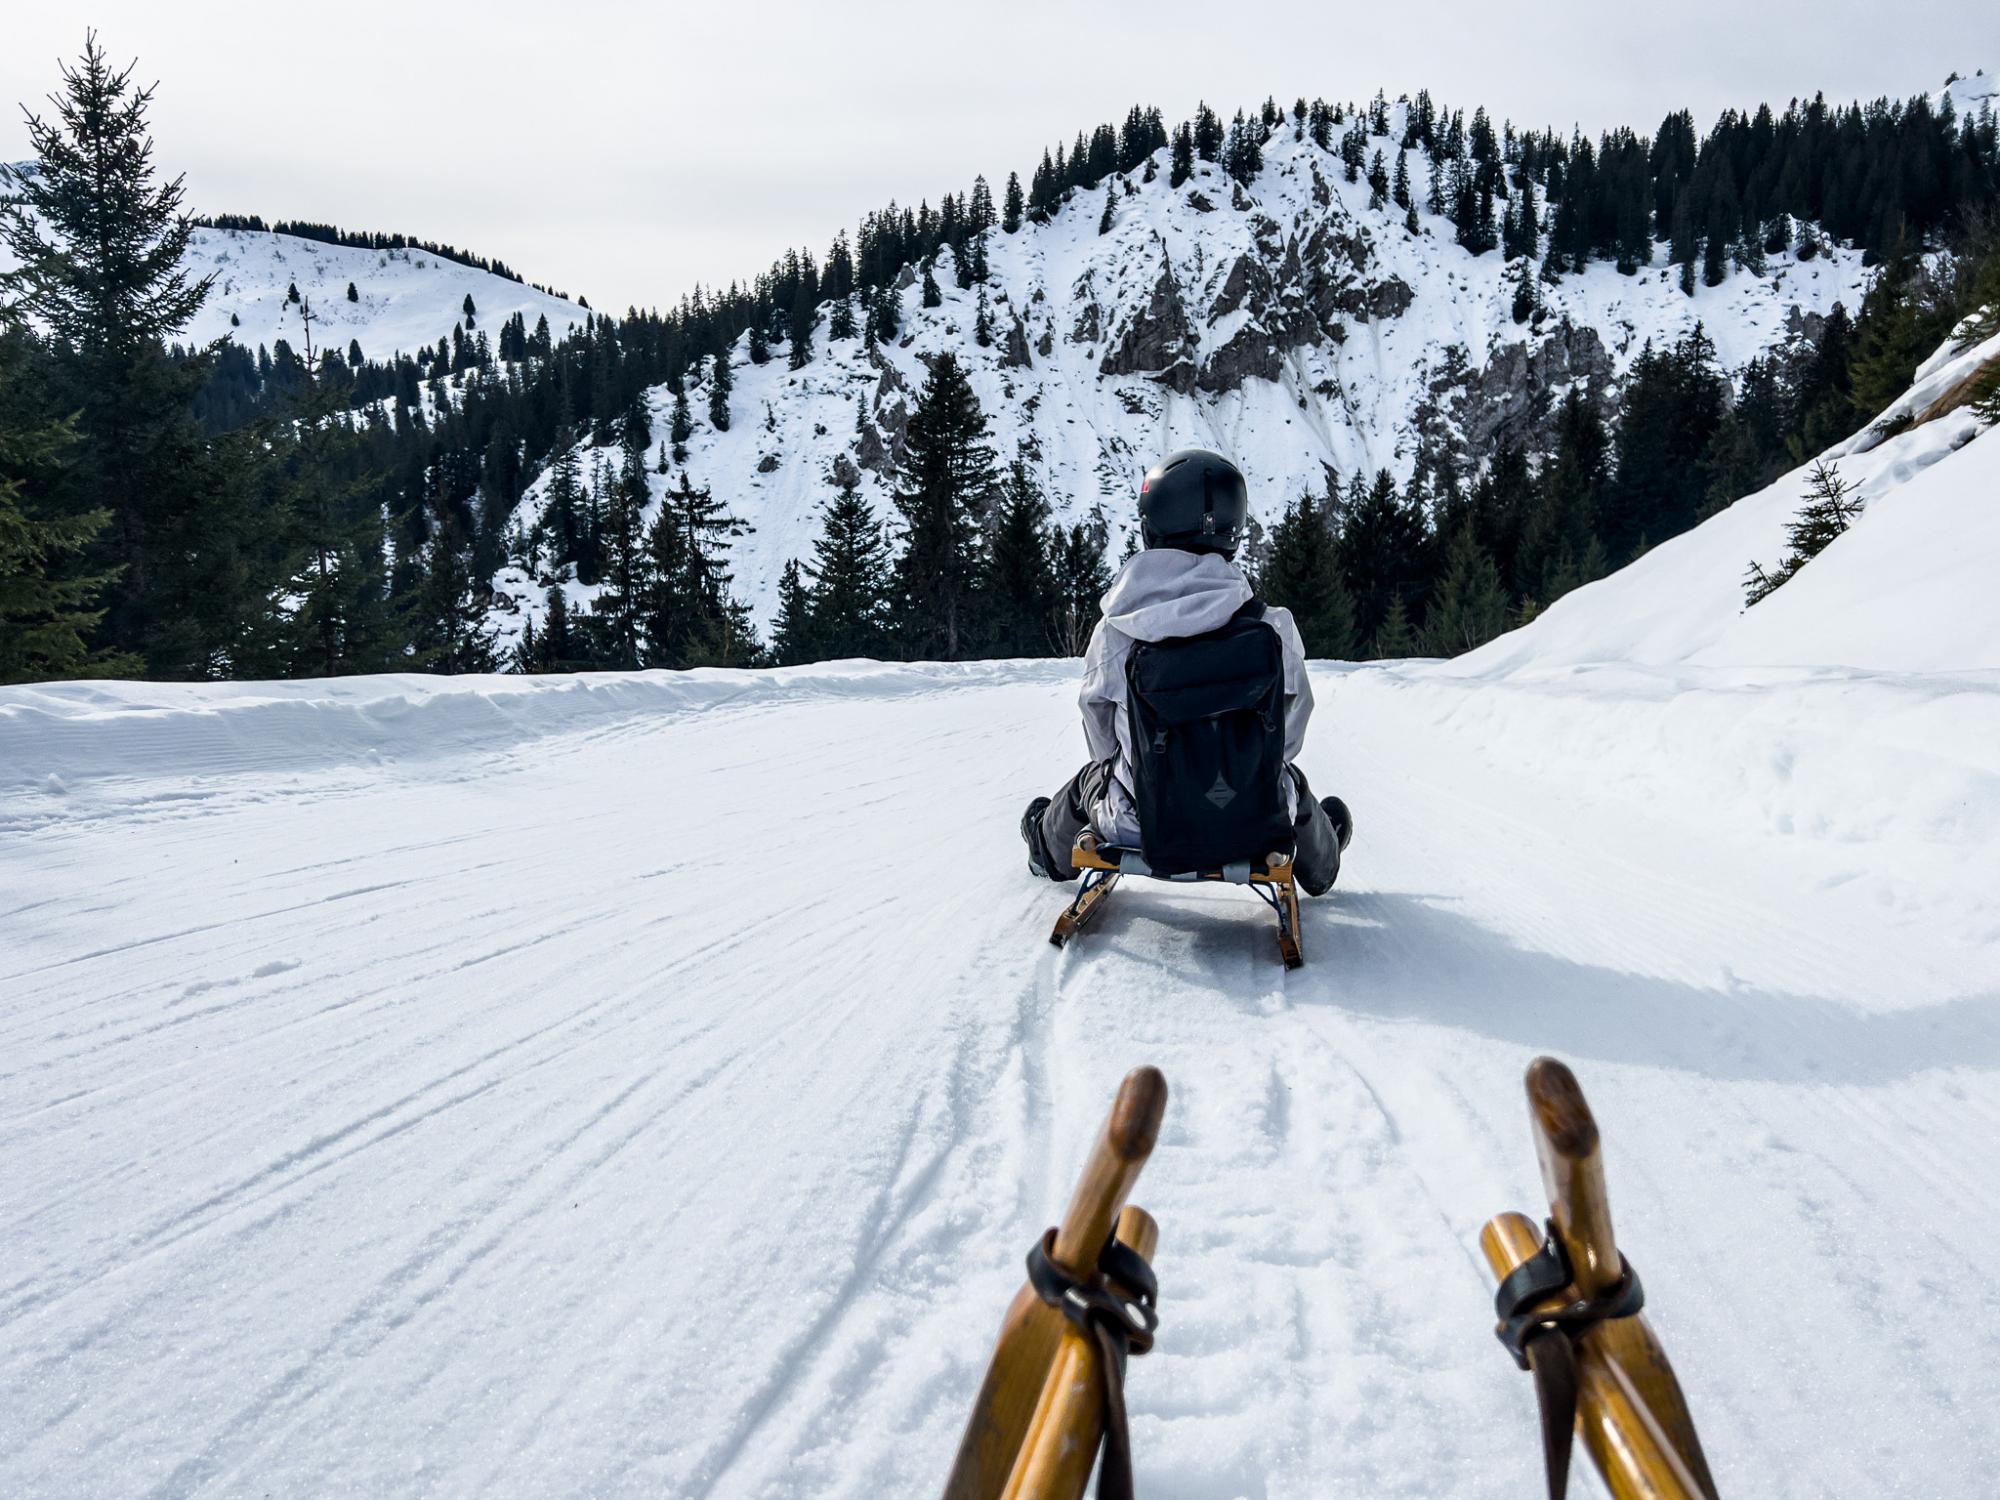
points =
(1569, 1313)
(1055, 1388)
(1271, 878)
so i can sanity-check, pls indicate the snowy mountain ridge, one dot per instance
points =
(404, 298)
(1289, 323)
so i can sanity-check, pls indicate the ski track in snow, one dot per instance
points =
(663, 1104)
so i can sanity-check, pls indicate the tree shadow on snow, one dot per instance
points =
(1401, 956)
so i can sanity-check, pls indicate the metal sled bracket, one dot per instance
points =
(1102, 864)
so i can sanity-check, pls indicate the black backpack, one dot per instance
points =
(1208, 745)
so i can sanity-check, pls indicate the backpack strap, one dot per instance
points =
(1251, 609)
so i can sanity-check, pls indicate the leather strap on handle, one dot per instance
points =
(1542, 1339)
(1115, 1308)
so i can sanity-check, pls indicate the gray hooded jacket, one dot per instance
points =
(1162, 594)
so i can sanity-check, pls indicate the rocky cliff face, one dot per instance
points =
(1290, 323)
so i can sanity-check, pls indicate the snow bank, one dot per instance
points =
(57, 738)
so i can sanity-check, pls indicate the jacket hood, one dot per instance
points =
(1163, 593)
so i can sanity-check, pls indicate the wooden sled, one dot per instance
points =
(1629, 1409)
(1039, 1417)
(1272, 879)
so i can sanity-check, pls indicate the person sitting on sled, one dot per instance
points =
(1185, 587)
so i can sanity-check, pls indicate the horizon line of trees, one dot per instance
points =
(332, 234)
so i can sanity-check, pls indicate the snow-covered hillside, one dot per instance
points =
(1288, 324)
(403, 298)
(1908, 588)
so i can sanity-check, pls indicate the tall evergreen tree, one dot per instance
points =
(1082, 577)
(1395, 637)
(101, 247)
(1470, 607)
(719, 385)
(1017, 583)
(1382, 551)
(804, 314)
(946, 481)
(48, 595)
(1302, 573)
(449, 607)
(792, 635)
(621, 601)
(850, 580)
(329, 614)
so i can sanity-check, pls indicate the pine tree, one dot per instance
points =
(718, 391)
(48, 596)
(982, 323)
(947, 479)
(792, 627)
(1382, 549)
(1017, 583)
(1013, 205)
(1302, 574)
(1830, 508)
(100, 246)
(1082, 576)
(562, 505)
(1182, 166)
(328, 616)
(1109, 216)
(555, 648)
(804, 314)
(850, 580)
(1524, 292)
(625, 582)
(449, 608)
(689, 615)
(1893, 335)
(1986, 394)
(1471, 604)
(1400, 190)
(352, 294)
(840, 322)
(1394, 638)
(932, 296)
(681, 425)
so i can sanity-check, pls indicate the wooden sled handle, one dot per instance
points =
(1632, 1415)
(1068, 1425)
(1130, 1132)
(1031, 1335)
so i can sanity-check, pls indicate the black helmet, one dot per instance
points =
(1196, 501)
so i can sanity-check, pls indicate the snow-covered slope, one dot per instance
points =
(1288, 324)
(405, 298)
(1908, 588)
(573, 1086)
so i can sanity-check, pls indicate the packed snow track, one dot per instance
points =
(650, 1085)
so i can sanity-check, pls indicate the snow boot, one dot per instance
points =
(1031, 835)
(1341, 818)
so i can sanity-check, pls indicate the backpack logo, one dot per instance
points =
(1159, 741)
(1221, 794)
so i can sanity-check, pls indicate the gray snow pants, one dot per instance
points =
(1316, 853)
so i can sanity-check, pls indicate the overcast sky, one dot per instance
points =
(627, 151)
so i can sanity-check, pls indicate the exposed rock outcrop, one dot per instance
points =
(1156, 339)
